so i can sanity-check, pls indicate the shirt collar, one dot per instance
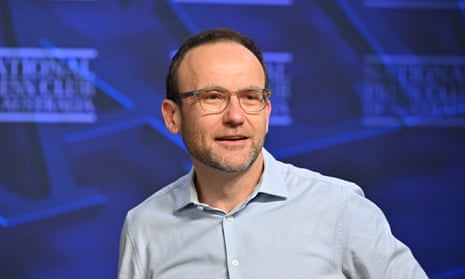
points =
(271, 184)
(185, 194)
(272, 180)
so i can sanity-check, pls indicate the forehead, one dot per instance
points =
(219, 60)
(217, 49)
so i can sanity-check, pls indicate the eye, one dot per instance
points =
(212, 96)
(251, 95)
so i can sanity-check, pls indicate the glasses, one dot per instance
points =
(215, 100)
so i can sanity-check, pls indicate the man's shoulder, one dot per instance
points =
(319, 181)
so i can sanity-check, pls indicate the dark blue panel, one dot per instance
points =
(371, 91)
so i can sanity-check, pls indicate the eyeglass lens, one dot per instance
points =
(216, 100)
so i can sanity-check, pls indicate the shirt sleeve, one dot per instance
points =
(128, 258)
(369, 248)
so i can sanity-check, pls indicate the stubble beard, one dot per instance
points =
(213, 159)
(222, 163)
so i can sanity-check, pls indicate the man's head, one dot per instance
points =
(205, 37)
(228, 66)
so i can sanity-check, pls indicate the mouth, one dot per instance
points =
(231, 139)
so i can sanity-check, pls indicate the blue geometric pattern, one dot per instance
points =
(65, 187)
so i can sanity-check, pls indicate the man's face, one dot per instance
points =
(231, 140)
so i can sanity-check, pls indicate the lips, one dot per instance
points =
(231, 138)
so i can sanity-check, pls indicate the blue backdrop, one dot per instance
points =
(371, 91)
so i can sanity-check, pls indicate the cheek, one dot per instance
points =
(194, 127)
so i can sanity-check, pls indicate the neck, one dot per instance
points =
(225, 190)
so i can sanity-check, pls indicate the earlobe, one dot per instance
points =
(171, 116)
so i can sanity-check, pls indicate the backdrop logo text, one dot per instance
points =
(414, 90)
(46, 85)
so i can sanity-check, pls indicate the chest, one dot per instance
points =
(250, 244)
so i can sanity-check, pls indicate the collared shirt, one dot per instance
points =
(296, 224)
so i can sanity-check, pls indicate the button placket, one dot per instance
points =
(231, 244)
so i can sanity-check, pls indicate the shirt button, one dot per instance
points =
(230, 218)
(235, 262)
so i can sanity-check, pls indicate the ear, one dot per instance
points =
(171, 115)
(268, 114)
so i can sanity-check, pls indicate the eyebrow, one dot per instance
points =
(216, 87)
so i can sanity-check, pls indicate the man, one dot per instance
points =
(240, 213)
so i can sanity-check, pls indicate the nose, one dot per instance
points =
(233, 114)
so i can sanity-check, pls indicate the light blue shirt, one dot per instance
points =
(297, 224)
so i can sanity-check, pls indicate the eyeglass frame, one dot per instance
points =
(266, 94)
